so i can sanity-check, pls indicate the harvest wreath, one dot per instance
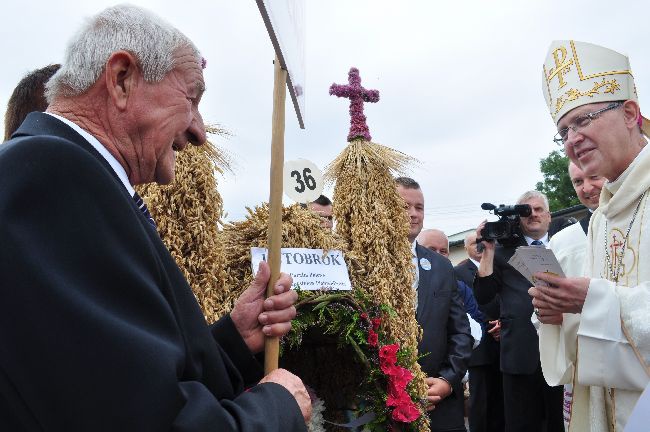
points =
(386, 390)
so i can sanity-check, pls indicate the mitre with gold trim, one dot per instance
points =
(579, 73)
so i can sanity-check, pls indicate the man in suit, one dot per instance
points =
(446, 336)
(485, 380)
(437, 241)
(529, 403)
(98, 328)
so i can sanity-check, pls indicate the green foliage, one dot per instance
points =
(557, 184)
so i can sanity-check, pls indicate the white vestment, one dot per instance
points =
(609, 375)
(557, 344)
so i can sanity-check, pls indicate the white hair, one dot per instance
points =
(124, 27)
(533, 194)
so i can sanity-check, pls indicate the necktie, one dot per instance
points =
(536, 243)
(143, 208)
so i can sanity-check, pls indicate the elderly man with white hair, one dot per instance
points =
(592, 99)
(98, 328)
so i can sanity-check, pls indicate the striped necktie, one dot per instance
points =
(143, 208)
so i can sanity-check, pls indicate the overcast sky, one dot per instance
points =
(459, 83)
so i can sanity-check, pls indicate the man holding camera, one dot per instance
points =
(529, 403)
(485, 380)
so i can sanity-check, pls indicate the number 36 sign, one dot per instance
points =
(303, 181)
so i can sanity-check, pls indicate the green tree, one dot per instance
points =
(557, 184)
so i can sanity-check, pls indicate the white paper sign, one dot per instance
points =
(285, 22)
(302, 180)
(529, 260)
(311, 269)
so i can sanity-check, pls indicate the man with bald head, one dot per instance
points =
(435, 240)
(438, 242)
(99, 329)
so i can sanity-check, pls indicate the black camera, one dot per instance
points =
(506, 230)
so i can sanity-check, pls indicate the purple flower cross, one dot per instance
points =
(357, 95)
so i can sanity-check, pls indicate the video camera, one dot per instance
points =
(506, 230)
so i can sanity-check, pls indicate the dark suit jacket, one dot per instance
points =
(519, 341)
(488, 350)
(466, 271)
(98, 328)
(446, 335)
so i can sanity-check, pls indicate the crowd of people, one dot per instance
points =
(99, 330)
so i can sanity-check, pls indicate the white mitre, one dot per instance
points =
(579, 73)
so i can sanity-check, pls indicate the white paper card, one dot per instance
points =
(311, 269)
(529, 260)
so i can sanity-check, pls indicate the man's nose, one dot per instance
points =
(572, 138)
(196, 130)
(588, 188)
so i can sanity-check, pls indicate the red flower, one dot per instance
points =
(388, 357)
(399, 377)
(396, 397)
(364, 316)
(373, 338)
(406, 412)
(389, 350)
(375, 323)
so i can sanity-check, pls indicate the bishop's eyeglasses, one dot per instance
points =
(582, 122)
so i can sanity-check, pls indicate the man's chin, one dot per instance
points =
(165, 171)
(165, 178)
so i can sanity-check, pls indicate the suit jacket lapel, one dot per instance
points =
(584, 222)
(424, 282)
(472, 267)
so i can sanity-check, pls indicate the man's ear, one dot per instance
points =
(631, 113)
(121, 74)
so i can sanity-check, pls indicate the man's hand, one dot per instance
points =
(438, 390)
(565, 295)
(487, 259)
(295, 386)
(255, 317)
(495, 331)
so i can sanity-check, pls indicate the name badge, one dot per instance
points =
(425, 264)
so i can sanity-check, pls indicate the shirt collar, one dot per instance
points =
(476, 263)
(119, 169)
(543, 240)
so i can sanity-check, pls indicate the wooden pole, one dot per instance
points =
(272, 344)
